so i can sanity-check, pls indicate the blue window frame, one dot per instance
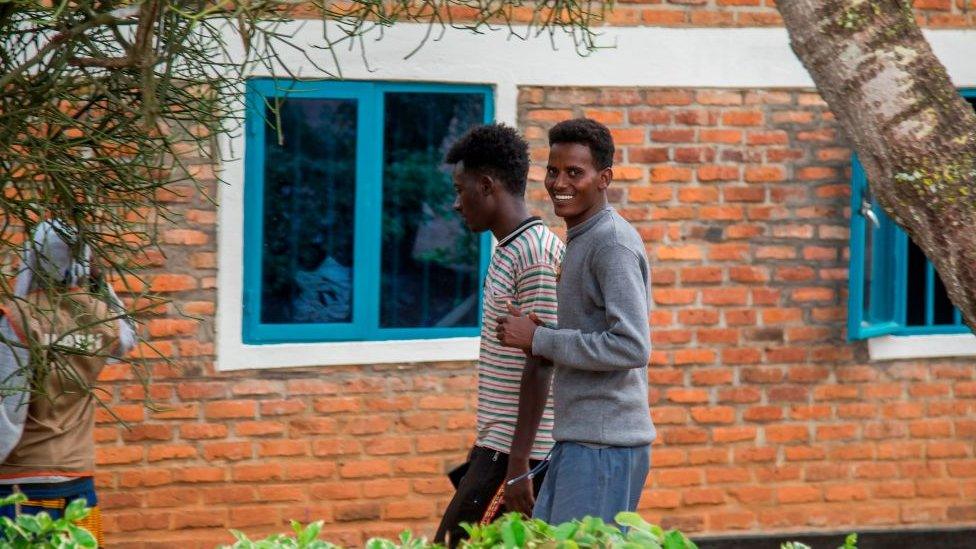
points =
(894, 289)
(348, 228)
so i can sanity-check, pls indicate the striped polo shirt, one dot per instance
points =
(523, 271)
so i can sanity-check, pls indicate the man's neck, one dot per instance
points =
(509, 218)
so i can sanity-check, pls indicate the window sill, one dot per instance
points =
(240, 356)
(923, 346)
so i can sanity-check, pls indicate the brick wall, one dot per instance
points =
(763, 13)
(937, 14)
(768, 420)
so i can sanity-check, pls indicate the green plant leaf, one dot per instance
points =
(565, 531)
(676, 540)
(632, 520)
(76, 510)
(12, 499)
(310, 533)
(82, 536)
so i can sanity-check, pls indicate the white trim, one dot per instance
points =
(358, 352)
(643, 56)
(922, 346)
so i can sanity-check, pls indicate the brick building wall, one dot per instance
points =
(768, 420)
(935, 14)
(763, 13)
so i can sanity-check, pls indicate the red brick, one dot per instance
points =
(742, 118)
(709, 415)
(669, 97)
(786, 433)
(762, 174)
(673, 136)
(664, 174)
(720, 136)
(763, 413)
(684, 435)
(798, 494)
(627, 136)
(672, 478)
(163, 283)
(229, 409)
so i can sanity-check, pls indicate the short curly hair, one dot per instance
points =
(497, 150)
(586, 131)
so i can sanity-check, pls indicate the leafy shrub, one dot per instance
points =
(40, 531)
(508, 532)
(513, 531)
(305, 538)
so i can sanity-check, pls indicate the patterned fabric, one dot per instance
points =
(523, 271)
(53, 498)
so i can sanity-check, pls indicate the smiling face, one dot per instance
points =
(472, 199)
(576, 186)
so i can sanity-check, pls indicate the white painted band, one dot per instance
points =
(924, 346)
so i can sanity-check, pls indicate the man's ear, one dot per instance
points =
(606, 177)
(486, 185)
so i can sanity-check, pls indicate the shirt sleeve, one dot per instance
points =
(625, 344)
(535, 290)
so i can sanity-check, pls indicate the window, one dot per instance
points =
(349, 232)
(894, 289)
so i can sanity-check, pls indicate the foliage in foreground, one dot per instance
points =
(40, 531)
(511, 531)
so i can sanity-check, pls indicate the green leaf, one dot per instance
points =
(380, 543)
(565, 531)
(82, 536)
(632, 520)
(508, 535)
(76, 510)
(12, 499)
(310, 533)
(676, 540)
(850, 542)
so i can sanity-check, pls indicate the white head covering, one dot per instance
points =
(49, 258)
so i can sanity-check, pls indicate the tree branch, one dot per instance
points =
(56, 41)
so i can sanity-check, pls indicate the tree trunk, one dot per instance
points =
(914, 134)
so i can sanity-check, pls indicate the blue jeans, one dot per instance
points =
(597, 482)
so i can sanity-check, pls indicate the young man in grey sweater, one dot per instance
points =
(601, 346)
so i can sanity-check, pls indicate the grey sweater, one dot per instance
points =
(602, 343)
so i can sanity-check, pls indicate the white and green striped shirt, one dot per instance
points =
(523, 271)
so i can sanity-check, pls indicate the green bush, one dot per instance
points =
(513, 531)
(40, 531)
(508, 532)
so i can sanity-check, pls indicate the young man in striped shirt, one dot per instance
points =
(491, 164)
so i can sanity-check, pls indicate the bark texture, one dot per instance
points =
(914, 134)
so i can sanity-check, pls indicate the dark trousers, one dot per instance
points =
(486, 472)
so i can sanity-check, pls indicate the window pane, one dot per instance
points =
(309, 212)
(915, 307)
(430, 261)
(944, 310)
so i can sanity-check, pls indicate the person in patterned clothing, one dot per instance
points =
(514, 417)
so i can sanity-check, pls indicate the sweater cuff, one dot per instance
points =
(543, 342)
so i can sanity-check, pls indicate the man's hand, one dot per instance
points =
(516, 330)
(519, 497)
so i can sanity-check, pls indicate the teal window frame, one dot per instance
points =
(369, 202)
(887, 290)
